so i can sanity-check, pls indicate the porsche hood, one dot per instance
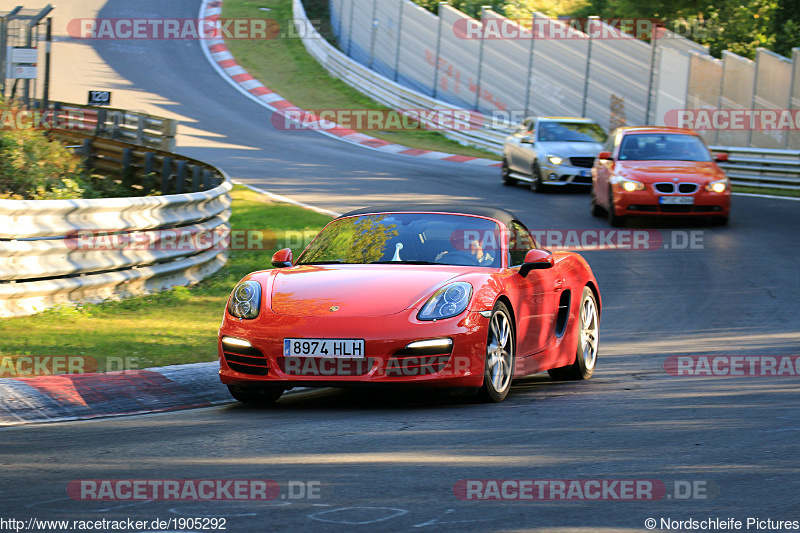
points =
(354, 290)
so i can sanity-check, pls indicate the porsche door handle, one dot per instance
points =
(559, 284)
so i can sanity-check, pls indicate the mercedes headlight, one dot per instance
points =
(717, 186)
(245, 300)
(554, 159)
(447, 302)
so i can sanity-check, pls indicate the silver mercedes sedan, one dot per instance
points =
(545, 151)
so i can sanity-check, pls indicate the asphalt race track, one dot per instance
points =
(390, 461)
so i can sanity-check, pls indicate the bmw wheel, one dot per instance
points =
(614, 219)
(588, 334)
(500, 347)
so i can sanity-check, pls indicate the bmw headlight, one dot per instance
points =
(245, 300)
(449, 301)
(717, 186)
(555, 159)
(630, 185)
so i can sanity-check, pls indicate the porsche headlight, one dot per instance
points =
(449, 301)
(245, 300)
(555, 159)
(630, 185)
(717, 186)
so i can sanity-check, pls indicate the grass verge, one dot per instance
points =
(170, 327)
(765, 190)
(284, 66)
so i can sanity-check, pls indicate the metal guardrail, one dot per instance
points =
(44, 262)
(746, 166)
(762, 167)
(119, 124)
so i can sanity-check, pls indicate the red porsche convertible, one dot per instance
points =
(442, 296)
(658, 171)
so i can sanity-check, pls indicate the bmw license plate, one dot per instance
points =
(677, 200)
(351, 348)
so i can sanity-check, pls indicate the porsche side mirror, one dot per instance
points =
(604, 155)
(721, 158)
(282, 258)
(536, 260)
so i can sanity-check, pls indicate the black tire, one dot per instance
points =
(586, 354)
(597, 209)
(536, 178)
(498, 366)
(505, 174)
(255, 395)
(616, 221)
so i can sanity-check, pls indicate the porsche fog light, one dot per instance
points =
(449, 301)
(245, 300)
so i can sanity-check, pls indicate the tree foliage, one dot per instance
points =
(734, 25)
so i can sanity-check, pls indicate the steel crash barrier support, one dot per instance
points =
(65, 251)
(769, 168)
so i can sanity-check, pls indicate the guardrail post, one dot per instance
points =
(197, 177)
(208, 180)
(101, 121)
(127, 170)
(180, 178)
(166, 172)
(149, 169)
(169, 129)
(141, 124)
(480, 58)
(530, 65)
(593, 18)
(438, 51)
(86, 152)
(399, 39)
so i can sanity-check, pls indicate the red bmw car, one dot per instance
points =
(655, 171)
(443, 296)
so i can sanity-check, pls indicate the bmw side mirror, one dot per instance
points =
(282, 258)
(526, 139)
(536, 260)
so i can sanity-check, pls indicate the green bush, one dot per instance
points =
(34, 168)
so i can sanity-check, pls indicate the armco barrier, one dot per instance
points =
(133, 127)
(42, 261)
(747, 166)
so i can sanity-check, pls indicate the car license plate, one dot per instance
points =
(677, 200)
(352, 348)
(586, 173)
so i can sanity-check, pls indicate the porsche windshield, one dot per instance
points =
(663, 147)
(416, 238)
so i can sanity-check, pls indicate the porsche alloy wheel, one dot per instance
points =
(588, 332)
(255, 395)
(499, 365)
